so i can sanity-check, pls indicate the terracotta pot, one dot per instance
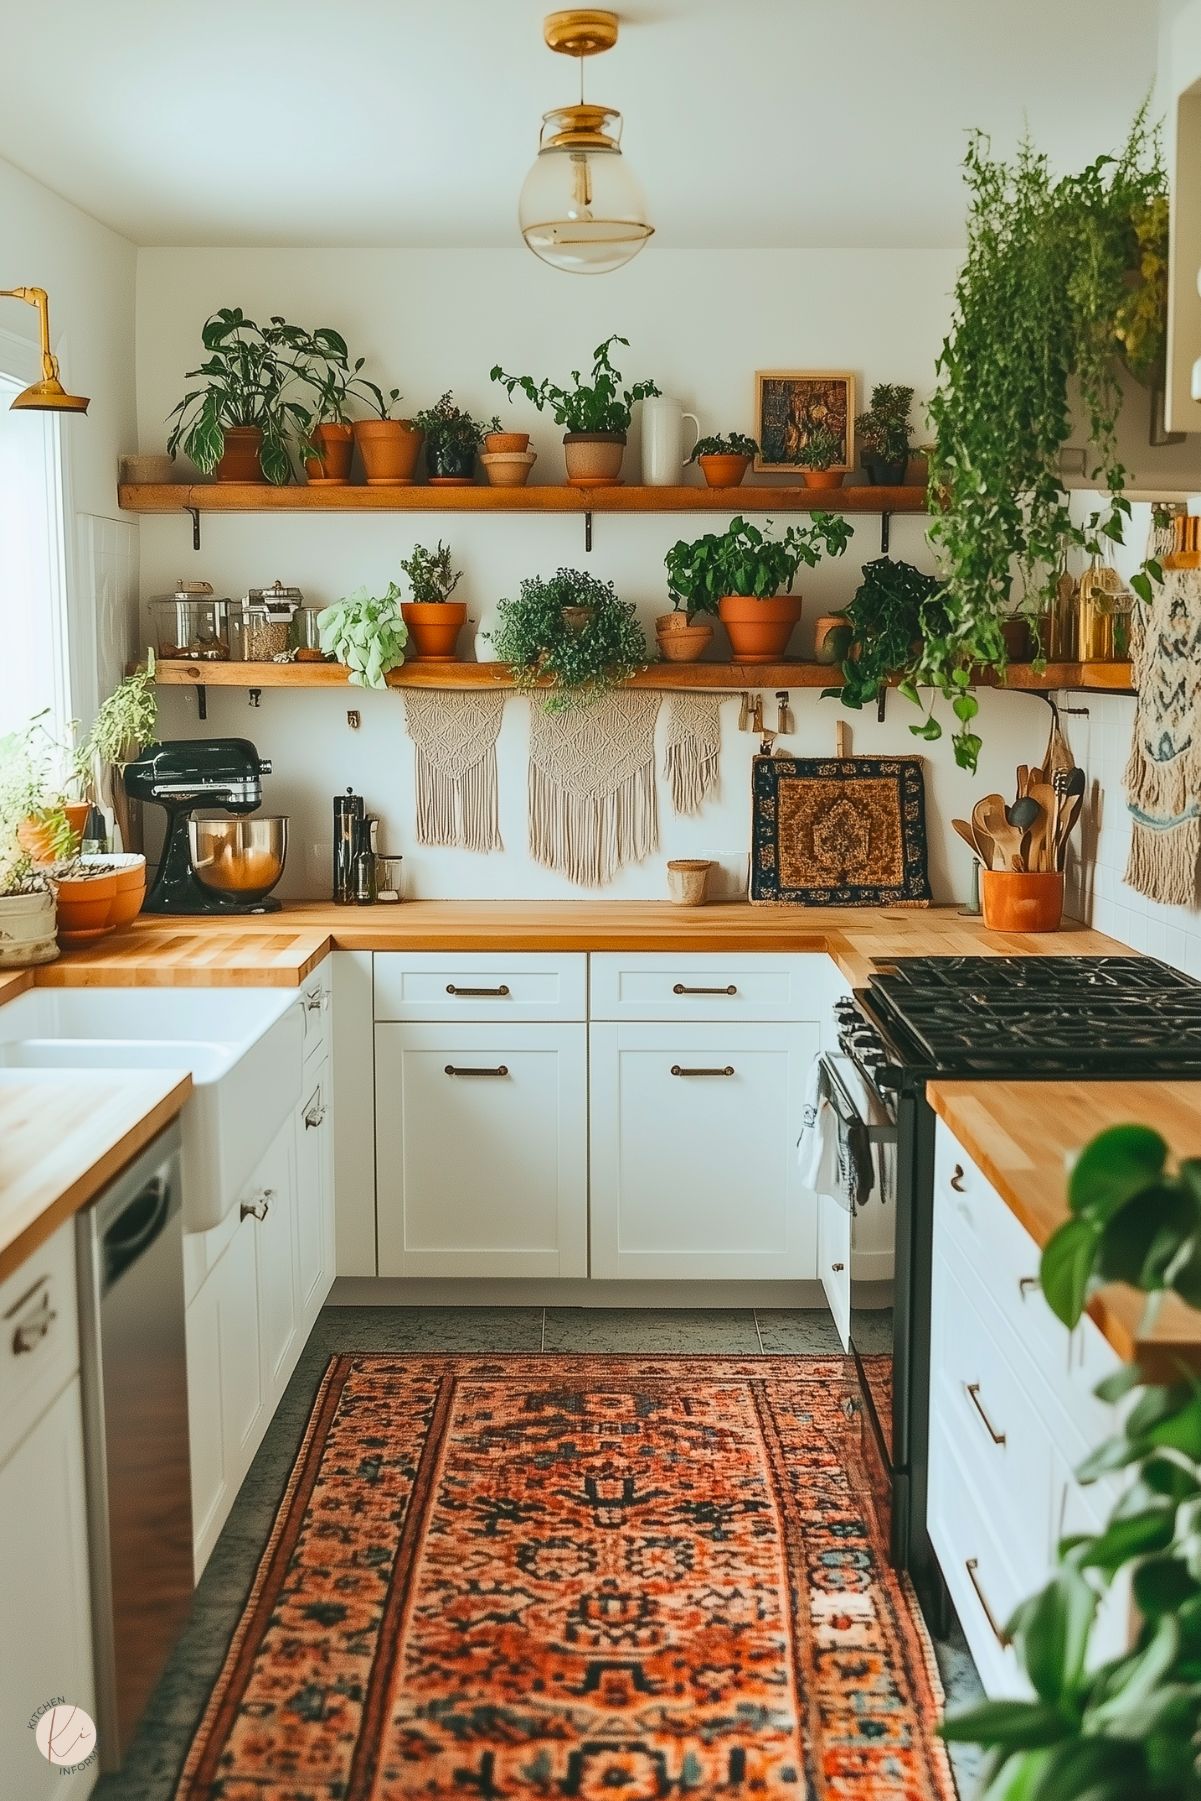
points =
(77, 812)
(27, 930)
(497, 443)
(593, 458)
(822, 478)
(85, 906)
(389, 449)
(434, 627)
(508, 468)
(724, 471)
(332, 468)
(130, 869)
(36, 839)
(759, 629)
(681, 640)
(687, 880)
(1022, 901)
(831, 638)
(241, 460)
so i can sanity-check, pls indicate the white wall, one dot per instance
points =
(89, 274)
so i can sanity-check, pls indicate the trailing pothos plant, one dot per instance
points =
(894, 609)
(1131, 1726)
(601, 404)
(571, 631)
(1059, 275)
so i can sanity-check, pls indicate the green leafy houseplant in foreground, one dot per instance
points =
(366, 633)
(1060, 274)
(894, 609)
(572, 631)
(1130, 1729)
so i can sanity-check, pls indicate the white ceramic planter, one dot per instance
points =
(27, 930)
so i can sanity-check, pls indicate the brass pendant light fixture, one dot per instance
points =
(47, 395)
(581, 209)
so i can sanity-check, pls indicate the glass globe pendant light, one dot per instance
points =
(580, 207)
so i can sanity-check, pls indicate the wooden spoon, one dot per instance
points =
(981, 833)
(1041, 849)
(1023, 780)
(969, 838)
(1007, 838)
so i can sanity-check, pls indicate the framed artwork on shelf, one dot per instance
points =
(790, 404)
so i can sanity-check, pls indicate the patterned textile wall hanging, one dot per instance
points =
(838, 832)
(592, 786)
(693, 749)
(1163, 774)
(455, 738)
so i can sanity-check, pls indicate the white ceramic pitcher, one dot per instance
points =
(663, 440)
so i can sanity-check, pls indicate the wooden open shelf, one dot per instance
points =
(546, 497)
(714, 677)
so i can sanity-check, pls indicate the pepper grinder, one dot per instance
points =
(348, 842)
(366, 863)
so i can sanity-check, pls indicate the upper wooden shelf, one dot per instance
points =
(548, 497)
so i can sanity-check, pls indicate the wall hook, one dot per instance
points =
(588, 530)
(885, 532)
(195, 512)
(202, 701)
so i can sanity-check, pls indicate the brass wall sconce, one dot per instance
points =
(47, 395)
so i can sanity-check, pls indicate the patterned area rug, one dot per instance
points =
(611, 1578)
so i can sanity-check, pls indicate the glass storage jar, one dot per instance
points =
(191, 624)
(305, 637)
(262, 623)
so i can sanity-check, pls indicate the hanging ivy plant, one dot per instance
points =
(1061, 272)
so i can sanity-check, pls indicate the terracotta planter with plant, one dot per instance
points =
(818, 458)
(498, 442)
(242, 458)
(129, 883)
(434, 620)
(334, 444)
(681, 639)
(595, 415)
(389, 449)
(724, 459)
(86, 898)
(883, 434)
(571, 634)
(746, 577)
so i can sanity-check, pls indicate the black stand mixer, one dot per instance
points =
(210, 866)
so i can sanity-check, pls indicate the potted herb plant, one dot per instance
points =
(433, 619)
(27, 912)
(817, 457)
(237, 423)
(122, 728)
(571, 632)
(883, 435)
(725, 458)
(499, 442)
(365, 633)
(746, 577)
(388, 446)
(595, 413)
(452, 439)
(883, 628)
(326, 424)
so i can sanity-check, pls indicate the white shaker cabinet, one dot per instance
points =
(314, 1194)
(227, 1406)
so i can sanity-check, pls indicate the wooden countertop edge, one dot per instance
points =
(87, 1185)
(1116, 1310)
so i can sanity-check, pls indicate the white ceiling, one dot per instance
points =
(752, 123)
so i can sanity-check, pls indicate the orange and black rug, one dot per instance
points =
(609, 1578)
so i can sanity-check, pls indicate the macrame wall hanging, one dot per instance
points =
(592, 786)
(455, 738)
(693, 749)
(1163, 775)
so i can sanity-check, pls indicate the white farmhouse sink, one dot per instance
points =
(242, 1046)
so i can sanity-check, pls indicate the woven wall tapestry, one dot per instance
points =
(838, 832)
(455, 739)
(592, 786)
(693, 749)
(1163, 774)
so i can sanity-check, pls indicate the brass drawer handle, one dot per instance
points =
(676, 1070)
(680, 988)
(973, 1394)
(998, 1632)
(957, 1182)
(452, 1069)
(491, 994)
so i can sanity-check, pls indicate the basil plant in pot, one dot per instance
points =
(366, 633)
(433, 619)
(570, 633)
(724, 458)
(452, 441)
(745, 577)
(595, 414)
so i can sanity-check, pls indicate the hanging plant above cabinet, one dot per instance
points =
(895, 608)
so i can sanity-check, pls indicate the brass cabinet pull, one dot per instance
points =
(452, 1069)
(492, 994)
(676, 1070)
(973, 1395)
(998, 1632)
(957, 1182)
(680, 988)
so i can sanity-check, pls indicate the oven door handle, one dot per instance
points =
(844, 1106)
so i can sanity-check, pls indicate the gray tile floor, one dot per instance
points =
(152, 1768)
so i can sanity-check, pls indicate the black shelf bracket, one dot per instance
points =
(202, 701)
(885, 532)
(881, 700)
(195, 512)
(588, 530)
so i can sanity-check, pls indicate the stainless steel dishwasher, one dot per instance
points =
(135, 1399)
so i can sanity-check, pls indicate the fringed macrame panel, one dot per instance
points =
(592, 787)
(455, 739)
(1163, 775)
(693, 749)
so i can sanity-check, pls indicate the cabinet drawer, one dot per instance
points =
(709, 985)
(39, 1334)
(426, 985)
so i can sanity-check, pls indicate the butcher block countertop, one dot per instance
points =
(1025, 1136)
(281, 949)
(64, 1134)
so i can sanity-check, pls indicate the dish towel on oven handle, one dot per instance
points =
(834, 1154)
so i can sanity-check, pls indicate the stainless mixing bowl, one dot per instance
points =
(243, 858)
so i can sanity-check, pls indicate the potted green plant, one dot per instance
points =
(123, 726)
(596, 414)
(388, 446)
(452, 441)
(236, 425)
(433, 619)
(328, 431)
(570, 632)
(499, 442)
(365, 633)
(883, 628)
(883, 434)
(818, 456)
(746, 577)
(724, 458)
(27, 911)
